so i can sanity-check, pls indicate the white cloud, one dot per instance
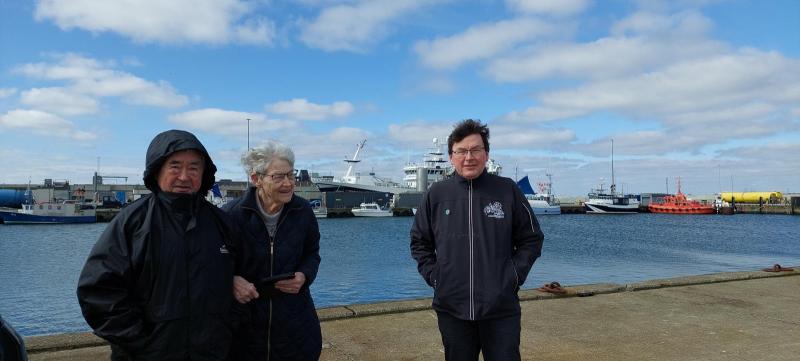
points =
(61, 101)
(174, 21)
(90, 77)
(549, 7)
(674, 39)
(711, 83)
(747, 94)
(419, 134)
(688, 23)
(358, 26)
(43, 123)
(479, 42)
(229, 122)
(527, 136)
(7, 92)
(302, 109)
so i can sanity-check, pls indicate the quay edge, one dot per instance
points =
(341, 322)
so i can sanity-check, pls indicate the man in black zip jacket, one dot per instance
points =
(157, 284)
(475, 239)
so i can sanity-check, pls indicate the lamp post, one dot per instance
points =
(248, 133)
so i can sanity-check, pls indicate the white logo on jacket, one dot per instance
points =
(223, 250)
(494, 210)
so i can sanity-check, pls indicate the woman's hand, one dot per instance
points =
(292, 285)
(243, 290)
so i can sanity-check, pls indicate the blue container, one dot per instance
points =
(120, 195)
(12, 198)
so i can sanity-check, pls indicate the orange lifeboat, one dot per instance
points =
(679, 204)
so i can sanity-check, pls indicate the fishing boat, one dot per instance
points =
(602, 202)
(679, 204)
(49, 213)
(371, 210)
(543, 202)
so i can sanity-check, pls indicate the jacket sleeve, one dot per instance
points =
(104, 290)
(423, 243)
(526, 236)
(309, 264)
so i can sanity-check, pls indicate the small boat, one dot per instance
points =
(543, 202)
(49, 213)
(679, 204)
(371, 210)
(600, 202)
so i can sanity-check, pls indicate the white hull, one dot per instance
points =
(604, 207)
(546, 210)
(540, 207)
(333, 186)
(360, 213)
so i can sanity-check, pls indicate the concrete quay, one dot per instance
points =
(726, 316)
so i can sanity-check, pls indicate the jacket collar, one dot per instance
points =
(477, 180)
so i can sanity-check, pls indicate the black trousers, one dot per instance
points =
(497, 338)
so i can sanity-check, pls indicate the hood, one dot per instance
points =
(171, 141)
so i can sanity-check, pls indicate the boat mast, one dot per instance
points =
(353, 161)
(613, 183)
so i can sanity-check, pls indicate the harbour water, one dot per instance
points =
(367, 259)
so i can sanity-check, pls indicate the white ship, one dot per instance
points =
(435, 167)
(355, 181)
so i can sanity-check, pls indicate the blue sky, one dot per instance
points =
(705, 90)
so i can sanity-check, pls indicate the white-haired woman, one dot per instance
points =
(278, 235)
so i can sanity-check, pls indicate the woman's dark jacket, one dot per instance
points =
(157, 284)
(292, 332)
(475, 242)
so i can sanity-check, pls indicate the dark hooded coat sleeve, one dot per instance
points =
(105, 289)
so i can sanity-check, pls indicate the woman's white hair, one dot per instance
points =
(257, 160)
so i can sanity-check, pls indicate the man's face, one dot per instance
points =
(469, 156)
(182, 172)
(277, 183)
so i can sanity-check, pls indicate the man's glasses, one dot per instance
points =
(280, 177)
(474, 152)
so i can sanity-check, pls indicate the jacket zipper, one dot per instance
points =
(187, 267)
(271, 270)
(471, 258)
(269, 323)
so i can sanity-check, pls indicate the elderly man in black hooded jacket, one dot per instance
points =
(157, 284)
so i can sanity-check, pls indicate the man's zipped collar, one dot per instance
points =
(477, 180)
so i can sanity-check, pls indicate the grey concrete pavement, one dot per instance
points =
(728, 316)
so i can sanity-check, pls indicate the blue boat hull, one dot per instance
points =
(22, 218)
